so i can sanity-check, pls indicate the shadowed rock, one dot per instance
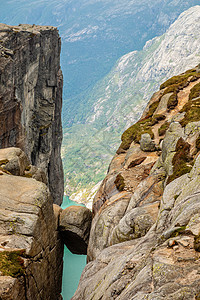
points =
(75, 223)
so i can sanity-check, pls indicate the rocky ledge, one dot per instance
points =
(33, 231)
(31, 251)
(31, 98)
(145, 236)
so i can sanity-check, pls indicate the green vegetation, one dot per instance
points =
(195, 92)
(176, 83)
(152, 108)
(182, 161)
(119, 182)
(180, 81)
(163, 128)
(11, 263)
(172, 102)
(192, 112)
(134, 132)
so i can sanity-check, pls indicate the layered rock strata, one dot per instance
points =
(144, 239)
(31, 250)
(31, 98)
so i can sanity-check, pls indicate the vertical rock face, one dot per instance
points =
(31, 98)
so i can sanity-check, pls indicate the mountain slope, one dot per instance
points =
(94, 34)
(121, 97)
(145, 235)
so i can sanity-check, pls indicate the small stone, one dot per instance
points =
(146, 143)
(184, 243)
(172, 243)
(176, 247)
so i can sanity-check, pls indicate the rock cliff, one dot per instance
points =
(144, 239)
(31, 98)
(31, 250)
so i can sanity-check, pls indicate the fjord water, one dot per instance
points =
(73, 264)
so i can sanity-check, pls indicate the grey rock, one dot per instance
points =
(146, 143)
(30, 112)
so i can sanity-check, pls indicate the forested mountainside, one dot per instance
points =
(145, 233)
(119, 99)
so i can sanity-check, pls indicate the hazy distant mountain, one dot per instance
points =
(121, 96)
(95, 33)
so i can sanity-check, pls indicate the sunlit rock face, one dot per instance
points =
(31, 98)
(145, 234)
(31, 251)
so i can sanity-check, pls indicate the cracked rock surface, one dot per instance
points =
(145, 235)
(31, 98)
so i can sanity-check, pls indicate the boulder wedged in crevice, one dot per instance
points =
(74, 225)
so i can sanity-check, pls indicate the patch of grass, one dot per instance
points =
(163, 128)
(27, 175)
(11, 263)
(192, 110)
(134, 133)
(176, 83)
(152, 108)
(195, 92)
(173, 101)
(182, 161)
(180, 80)
(5, 171)
(119, 182)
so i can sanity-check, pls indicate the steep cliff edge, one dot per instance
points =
(31, 98)
(144, 239)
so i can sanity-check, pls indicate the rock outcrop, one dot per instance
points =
(31, 98)
(31, 250)
(144, 239)
(75, 224)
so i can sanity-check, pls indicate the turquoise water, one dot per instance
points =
(73, 264)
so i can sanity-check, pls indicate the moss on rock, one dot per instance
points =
(180, 80)
(119, 182)
(173, 101)
(195, 92)
(163, 128)
(192, 112)
(182, 161)
(11, 263)
(134, 133)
